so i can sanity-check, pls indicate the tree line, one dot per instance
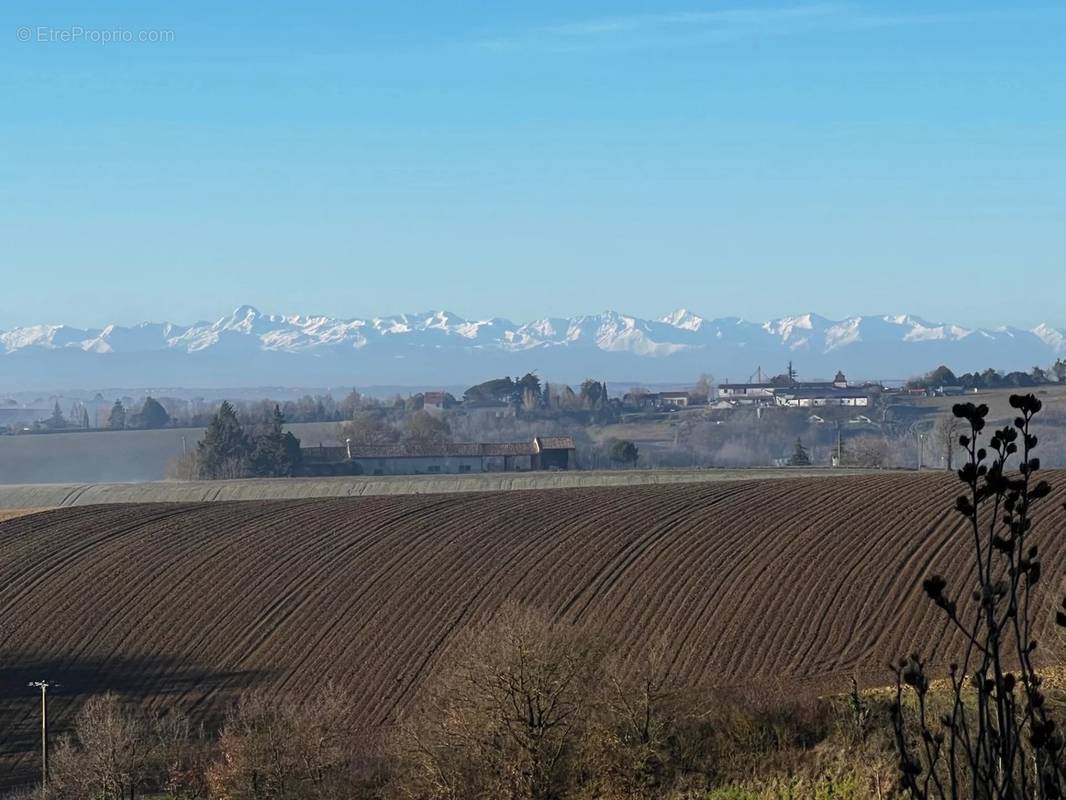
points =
(231, 450)
(991, 378)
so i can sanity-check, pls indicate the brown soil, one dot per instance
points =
(798, 583)
(11, 513)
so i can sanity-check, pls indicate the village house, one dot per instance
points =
(674, 399)
(436, 401)
(649, 401)
(748, 393)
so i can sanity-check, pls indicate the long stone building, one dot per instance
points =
(541, 453)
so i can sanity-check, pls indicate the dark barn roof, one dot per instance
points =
(555, 442)
(829, 391)
(441, 450)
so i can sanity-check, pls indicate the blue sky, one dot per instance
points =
(530, 159)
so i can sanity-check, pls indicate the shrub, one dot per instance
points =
(504, 714)
(996, 739)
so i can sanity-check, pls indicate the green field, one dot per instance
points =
(94, 456)
(998, 402)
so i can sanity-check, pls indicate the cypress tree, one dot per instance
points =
(224, 451)
(57, 420)
(117, 418)
(276, 454)
(153, 415)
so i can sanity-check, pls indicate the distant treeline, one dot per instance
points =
(991, 378)
(526, 393)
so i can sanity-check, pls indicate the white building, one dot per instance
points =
(821, 398)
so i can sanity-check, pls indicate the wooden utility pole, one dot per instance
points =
(44, 686)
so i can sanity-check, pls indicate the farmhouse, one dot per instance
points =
(541, 453)
(651, 401)
(675, 399)
(436, 401)
(748, 393)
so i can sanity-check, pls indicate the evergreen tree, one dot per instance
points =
(527, 390)
(624, 452)
(941, 376)
(224, 451)
(799, 457)
(153, 415)
(593, 395)
(275, 453)
(116, 420)
(494, 390)
(57, 420)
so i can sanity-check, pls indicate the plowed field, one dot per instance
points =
(17, 512)
(803, 582)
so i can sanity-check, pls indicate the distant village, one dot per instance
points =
(508, 397)
(525, 424)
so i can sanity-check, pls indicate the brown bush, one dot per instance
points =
(117, 750)
(504, 714)
(640, 738)
(271, 750)
(183, 467)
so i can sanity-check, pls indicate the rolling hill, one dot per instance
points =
(801, 582)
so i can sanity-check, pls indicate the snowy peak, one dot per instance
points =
(1051, 337)
(684, 319)
(407, 347)
(609, 330)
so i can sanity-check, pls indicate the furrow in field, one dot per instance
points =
(798, 582)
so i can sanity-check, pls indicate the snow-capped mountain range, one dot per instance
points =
(249, 348)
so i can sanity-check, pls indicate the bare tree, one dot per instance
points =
(503, 713)
(369, 427)
(183, 467)
(701, 392)
(272, 749)
(422, 428)
(945, 439)
(866, 451)
(108, 756)
(631, 748)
